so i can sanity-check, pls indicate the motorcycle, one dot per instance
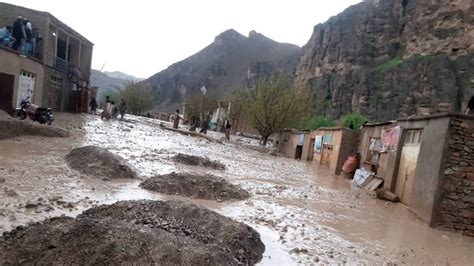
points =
(34, 112)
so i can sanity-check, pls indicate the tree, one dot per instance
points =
(320, 121)
(273, 105)
(354, 120)
(200, 105)
(139, 97)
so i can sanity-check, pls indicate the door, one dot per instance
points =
(298, 152)
(326, 155)
(6, 91)
(26, 87)
(407, 166)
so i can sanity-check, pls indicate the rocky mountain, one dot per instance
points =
(110, 82)
(231, 62)
(391, 58)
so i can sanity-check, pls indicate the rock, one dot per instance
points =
(99, 162)
(376, 58)
(2, 180)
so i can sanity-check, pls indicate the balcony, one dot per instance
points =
(62, 65)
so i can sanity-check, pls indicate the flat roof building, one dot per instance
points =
(56, 74)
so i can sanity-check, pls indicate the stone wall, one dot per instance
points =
(456, 207)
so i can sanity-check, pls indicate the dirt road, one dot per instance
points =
(304, 215)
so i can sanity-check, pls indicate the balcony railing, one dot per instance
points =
(64, 66)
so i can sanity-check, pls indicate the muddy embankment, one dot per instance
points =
(195, 186)
(11, 128)
(145, 231)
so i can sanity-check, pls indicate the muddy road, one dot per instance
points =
(304, 215)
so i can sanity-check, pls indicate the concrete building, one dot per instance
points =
(57, 76)
(330, 146)
(429, 163)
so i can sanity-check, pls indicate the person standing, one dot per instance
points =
(93, 105)
(227, 131)
(18, 33)
(176, 119)
(122, 108)
(470, 106)
(205, 127)
(27, 49)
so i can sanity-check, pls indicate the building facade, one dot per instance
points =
(56, 76)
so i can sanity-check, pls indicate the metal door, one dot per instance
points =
(407, 166)
(26, 87)
(326, 155)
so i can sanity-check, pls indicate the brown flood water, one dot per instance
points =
(304, 215)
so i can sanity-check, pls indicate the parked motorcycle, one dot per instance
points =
(34, 112)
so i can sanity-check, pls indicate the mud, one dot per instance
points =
(294, 206)
(11, 128)
(158, 232)
(195, 186)
(198, 161)
(99, 162)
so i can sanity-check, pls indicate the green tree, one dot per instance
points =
(320, 121)
(139, 97)
(273, 105)
(354, 120)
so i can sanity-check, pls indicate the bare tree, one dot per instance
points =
(273, 105)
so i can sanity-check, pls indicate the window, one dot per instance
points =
(375, 145)
(56, 82)
(413, 136)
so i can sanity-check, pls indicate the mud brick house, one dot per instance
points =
(290, 143)
(57, 75)
(330, 146)
(428, 162)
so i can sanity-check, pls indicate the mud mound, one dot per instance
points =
(10, 128)
(99, 162)
(195, 186)
(198, 161)
(139, 232)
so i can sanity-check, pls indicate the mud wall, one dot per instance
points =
(349, 143)
(455, 210)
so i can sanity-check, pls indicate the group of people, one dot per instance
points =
(22, 37)
(204, 125)
(110, 110)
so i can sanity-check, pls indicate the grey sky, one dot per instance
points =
(142, 37)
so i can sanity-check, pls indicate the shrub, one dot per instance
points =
(354, 120)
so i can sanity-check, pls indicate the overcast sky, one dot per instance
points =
(142, 37)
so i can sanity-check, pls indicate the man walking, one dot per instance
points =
(176, 119)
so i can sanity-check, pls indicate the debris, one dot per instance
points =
(13, 128)
(195, 186)
(138, 232)
(383, 193)
(190, 133)
(198, 161)
(99, 162)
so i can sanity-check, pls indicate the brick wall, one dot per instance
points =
(456, 207)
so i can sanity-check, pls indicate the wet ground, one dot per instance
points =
(304, 215)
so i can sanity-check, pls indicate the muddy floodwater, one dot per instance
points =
(305, 215)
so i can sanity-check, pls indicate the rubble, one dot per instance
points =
(195, 186)
(138, 232)
(198, 161)
(99, 162)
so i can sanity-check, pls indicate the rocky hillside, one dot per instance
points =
(229, 63)
(394, 58)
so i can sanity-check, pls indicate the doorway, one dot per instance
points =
(298, 152)
(7, 82)
(407, 166)
(326, 155)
